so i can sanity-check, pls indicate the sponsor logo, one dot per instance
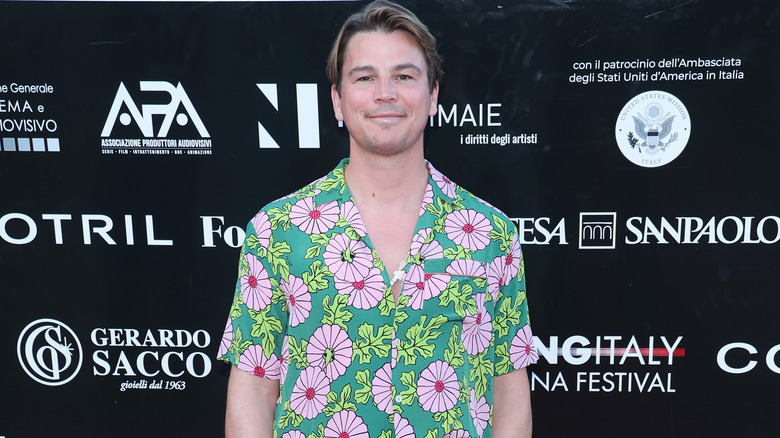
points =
(21, 229)
(482, 115)
(177, 107)
(690, 230)
(598, 230)
(25, 126)
(653, 128)
(738, 358)
(307, 114)
(615, 363)
(49, 352)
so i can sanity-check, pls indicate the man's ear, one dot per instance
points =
(336, 98)
(434, 99)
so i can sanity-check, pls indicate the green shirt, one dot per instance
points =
(313, 307)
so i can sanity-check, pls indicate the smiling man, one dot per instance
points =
(382, 299)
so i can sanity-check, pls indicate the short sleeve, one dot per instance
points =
(253, 336)
(514, 345)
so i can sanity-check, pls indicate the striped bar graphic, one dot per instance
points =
(12, 144)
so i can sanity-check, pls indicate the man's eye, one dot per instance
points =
(364, 78)
(404, 77)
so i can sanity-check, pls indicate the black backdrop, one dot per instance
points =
(142, 302)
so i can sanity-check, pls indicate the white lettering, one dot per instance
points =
(721, 358)
(102, 231)
(57, 220)
(166, 365)
(32, 229)
(150, 240)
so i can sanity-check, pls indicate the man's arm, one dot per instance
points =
(251, 403)
(512, 405)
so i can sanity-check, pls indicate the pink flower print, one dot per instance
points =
(430, 250)
(348, 259)
(477, 329)
(293, 434)
(513, 260)
(255, 286)
(365, 292)
(402, 427)
(447, 187)
(438, 387)
(298, 299)
(421, 286)
(284, 358)
(467, 268)
(350, 214)
(262, 227)
(227, 338)
(457, 433)
(253, 360)
(480, 412)
(522, 352)
(346, 424)
(311, 219)
(497, 276)
(427, 199)
(310, 392)
(382, 388)
(468, 228)
(330, 349)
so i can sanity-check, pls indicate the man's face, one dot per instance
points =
(385, 98)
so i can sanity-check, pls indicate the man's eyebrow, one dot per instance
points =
(361, 69)
(407, 65)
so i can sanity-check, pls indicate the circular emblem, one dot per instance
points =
(653, 129)
(49, 352)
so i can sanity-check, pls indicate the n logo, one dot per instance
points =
(308, 116)
(143, 118)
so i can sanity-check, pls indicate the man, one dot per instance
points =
(381, 300)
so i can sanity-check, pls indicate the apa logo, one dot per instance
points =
(144, 117)
(653, 129)
(49, 352)
(307, 111)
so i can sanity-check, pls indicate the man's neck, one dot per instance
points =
(396, 182)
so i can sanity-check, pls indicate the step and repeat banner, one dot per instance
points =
(633, 143)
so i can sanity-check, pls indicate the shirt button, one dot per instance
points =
(398, 399)
(396, 342)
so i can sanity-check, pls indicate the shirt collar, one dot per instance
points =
(333, 187)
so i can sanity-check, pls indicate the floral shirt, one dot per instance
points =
(313, 308)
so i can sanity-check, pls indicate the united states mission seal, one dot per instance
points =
(653, 129)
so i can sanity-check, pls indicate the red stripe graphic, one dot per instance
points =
(657, 352)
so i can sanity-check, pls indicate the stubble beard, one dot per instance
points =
(390, 147)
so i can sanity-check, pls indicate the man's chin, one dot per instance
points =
(386, 148)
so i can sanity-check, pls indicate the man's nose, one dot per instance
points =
(385, 90)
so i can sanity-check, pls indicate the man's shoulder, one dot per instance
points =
(308, 191)
(474, 202)
(457, 193)
(324, 189)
